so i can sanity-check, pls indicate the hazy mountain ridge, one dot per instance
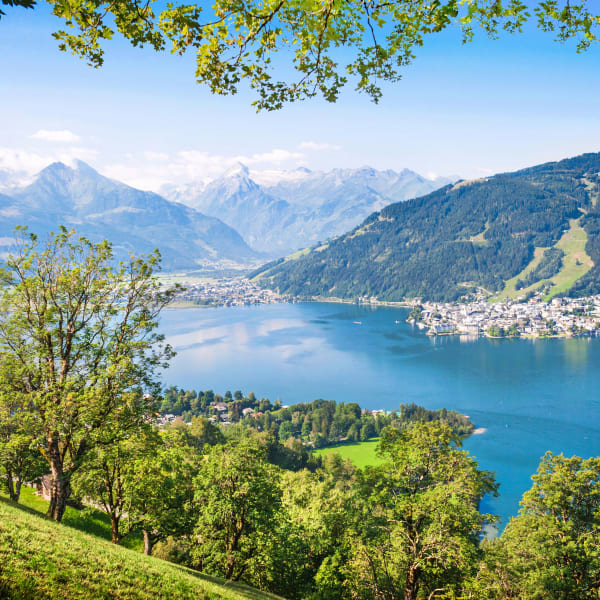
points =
(134, 220)
(298, 208)
(473, 234)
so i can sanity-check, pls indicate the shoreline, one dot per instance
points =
(178, 304)
(335, 300)
(187, 304)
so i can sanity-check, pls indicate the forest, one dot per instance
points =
(464, 237)
(318, 423)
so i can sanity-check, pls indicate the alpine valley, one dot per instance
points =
(513, 234)
(231, 222)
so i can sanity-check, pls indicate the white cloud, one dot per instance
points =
(63, 136)
(13, 159)
(151, 170)
(153, 156)
(24, 161)
(158, 169)
(318, 146)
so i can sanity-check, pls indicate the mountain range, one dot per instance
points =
(232, 221)
(304, 207)
(513, 234)
(133, 220)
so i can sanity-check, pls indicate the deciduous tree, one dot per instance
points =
(20, 459)
(550, 551)
(237, 496)
(420, 524)
(78, 343)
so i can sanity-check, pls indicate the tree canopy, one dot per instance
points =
(328, 43)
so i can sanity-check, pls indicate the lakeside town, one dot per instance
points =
(238, 291)
(561, 317)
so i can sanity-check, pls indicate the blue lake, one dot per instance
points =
(529, 396)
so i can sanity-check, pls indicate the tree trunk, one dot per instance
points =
(17, 490)
(230, 566)
(233, 545)
(10, 486)
(114, 526)
(60, 487)
(148, 543)
(412, 583)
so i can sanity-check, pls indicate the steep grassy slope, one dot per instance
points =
(41, 559)
(575, 263)
(477, 234)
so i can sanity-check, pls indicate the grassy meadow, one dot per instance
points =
(88, 520)
(360, 453)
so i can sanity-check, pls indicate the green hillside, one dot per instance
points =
(42, 559)
(483, 234)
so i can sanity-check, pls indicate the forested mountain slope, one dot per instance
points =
(472, 234)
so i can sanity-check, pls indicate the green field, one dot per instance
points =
(576, 263)
(42, 559)
(361, 454)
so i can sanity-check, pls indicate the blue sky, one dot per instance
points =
(469, 110)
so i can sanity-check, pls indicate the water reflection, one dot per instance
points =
(576, 352)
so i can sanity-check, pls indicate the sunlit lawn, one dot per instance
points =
(360, 453)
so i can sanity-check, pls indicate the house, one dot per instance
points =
(43, 487)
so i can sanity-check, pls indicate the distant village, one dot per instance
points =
(221, 412)
(228, 292)
(561, 317)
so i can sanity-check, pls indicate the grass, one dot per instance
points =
(576, 263)
(361, 454)
(593, 190)
(88, 520)
(479, 239)
(296, 255)
(42, 559)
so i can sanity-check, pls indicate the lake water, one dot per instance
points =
(529, 396)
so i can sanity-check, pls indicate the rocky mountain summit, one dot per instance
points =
(298, 208)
